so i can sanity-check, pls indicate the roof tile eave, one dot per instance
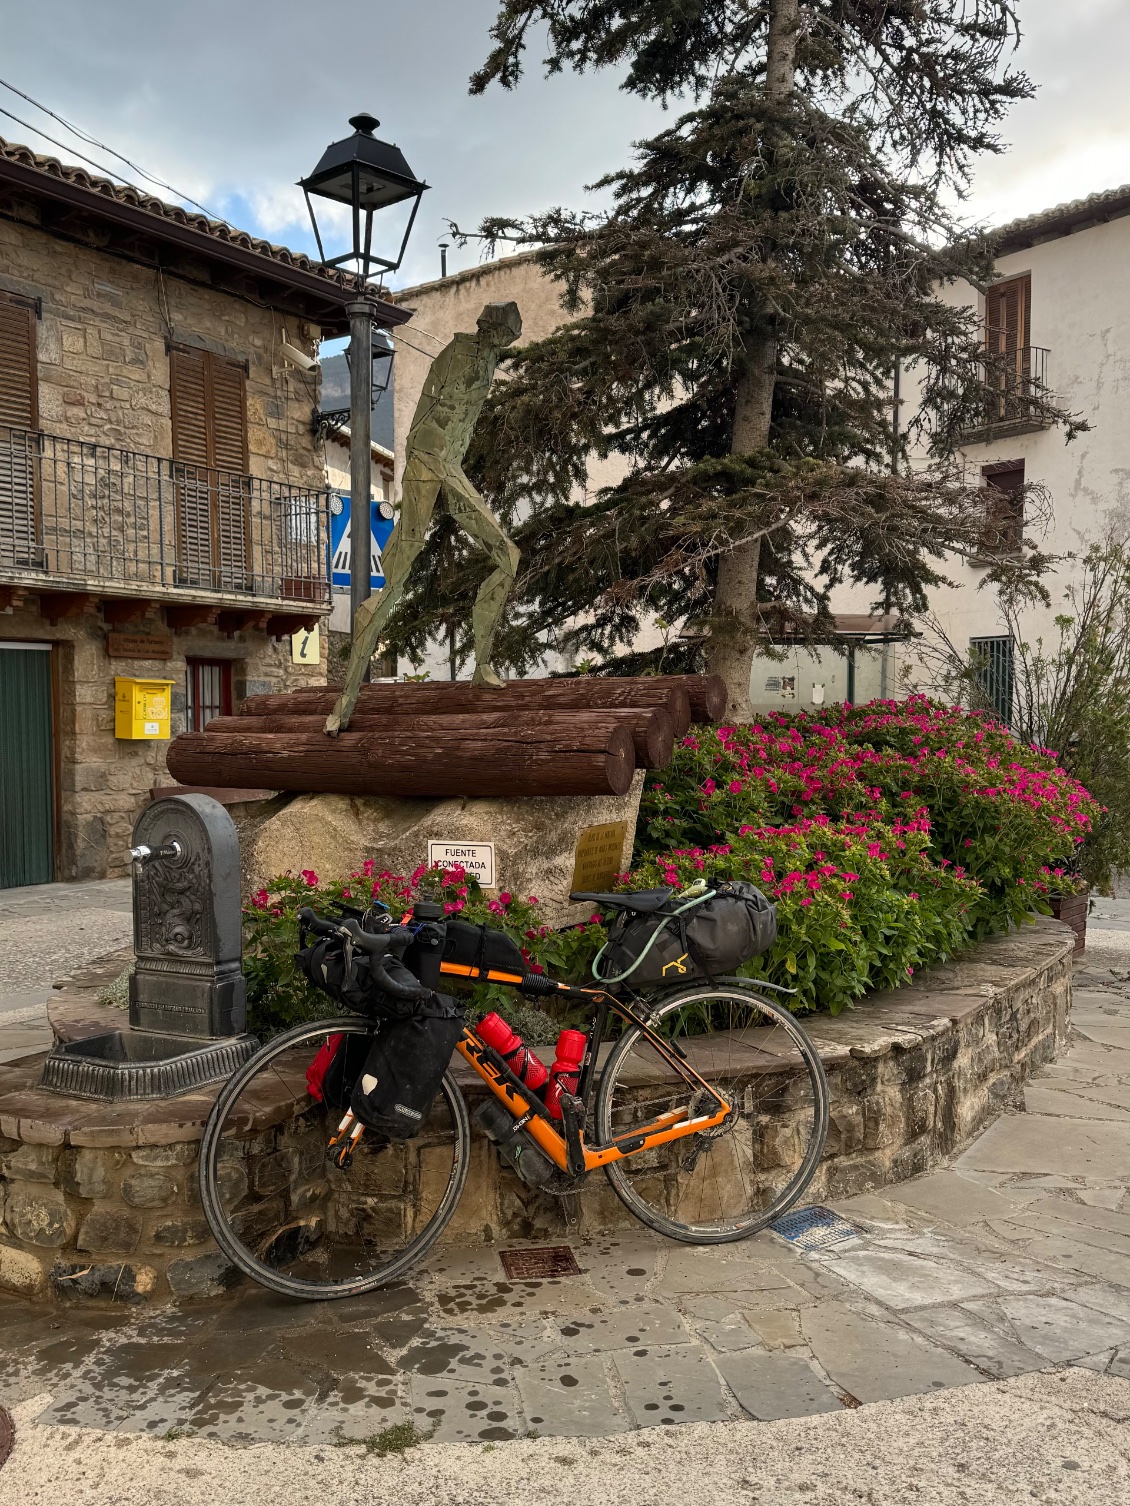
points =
(135, 198)
(1059, 219)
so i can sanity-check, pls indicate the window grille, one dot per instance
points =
(993, 665)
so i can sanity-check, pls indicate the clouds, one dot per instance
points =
(233, 100)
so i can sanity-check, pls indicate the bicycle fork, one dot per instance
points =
(349, 1131)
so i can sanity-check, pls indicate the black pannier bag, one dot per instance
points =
(483, 948)
(707, 940)
(405, 1066)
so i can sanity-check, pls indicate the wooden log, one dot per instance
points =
(707, 695)
(651, 728)
(508, 763)
(456, 696)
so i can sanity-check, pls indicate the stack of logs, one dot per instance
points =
(530, 737)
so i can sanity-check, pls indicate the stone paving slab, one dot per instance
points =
(677, 1385)
(570, 1398)
(769, 1386)
(872, 1360)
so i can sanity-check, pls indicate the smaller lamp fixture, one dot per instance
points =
(368, 175)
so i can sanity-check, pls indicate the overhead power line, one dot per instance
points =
(102, 146)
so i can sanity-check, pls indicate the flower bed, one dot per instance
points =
(890, 836)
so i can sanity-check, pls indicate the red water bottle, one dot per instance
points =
(493, 1029)
(566, 1070)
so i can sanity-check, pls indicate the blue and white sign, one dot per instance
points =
(381, 522)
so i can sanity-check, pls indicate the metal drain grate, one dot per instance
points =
(814, 1228)
(537, 1265)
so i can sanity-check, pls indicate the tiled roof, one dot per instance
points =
(126, 194)
(1062, 219)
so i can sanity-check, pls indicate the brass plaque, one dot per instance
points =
(599, 854)
(139, 645)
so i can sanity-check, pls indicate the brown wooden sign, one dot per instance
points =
(599, 853)
(139, 645)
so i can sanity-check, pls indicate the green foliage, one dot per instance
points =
(1072, 693)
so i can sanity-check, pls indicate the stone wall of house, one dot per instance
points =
(102, 345)
(103, 377)
(102, 781)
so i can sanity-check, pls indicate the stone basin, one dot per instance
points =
(138, 1064)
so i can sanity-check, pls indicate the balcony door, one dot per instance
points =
(213, 494)
(20, 521)
(1008, 345)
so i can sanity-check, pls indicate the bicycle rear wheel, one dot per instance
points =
(282, 1211)
(727, 1183)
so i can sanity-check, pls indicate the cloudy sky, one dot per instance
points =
(231, 100)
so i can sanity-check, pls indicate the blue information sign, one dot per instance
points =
(341, 548)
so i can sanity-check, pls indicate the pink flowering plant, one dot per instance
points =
(279, 994)
(889, 835)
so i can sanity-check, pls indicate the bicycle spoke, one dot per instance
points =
(725, 1182)
(286, 1214)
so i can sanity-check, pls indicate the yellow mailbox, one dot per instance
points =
(141, 708)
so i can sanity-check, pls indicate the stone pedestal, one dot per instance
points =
(535, 839)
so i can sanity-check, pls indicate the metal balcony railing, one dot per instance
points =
(1015, 386)
(91, 515)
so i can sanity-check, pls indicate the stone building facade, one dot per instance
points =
(163, 496)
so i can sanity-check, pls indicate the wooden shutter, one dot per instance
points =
(19, 444)
(1004, 510)
(1008, 345)
(209, 411)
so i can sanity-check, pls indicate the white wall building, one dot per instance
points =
(1060, 315)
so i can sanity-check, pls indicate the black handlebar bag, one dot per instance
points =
(405, 1066)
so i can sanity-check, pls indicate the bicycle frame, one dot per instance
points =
(568, 1151)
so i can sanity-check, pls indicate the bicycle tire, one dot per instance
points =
(633, 1173)
(219, 1219)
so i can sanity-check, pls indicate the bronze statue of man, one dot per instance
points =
(445, 418)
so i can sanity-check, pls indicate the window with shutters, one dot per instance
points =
(1009, 351)
(1004, 510)
(20, 521)
(209, 410)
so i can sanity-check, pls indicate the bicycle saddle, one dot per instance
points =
(643, 901)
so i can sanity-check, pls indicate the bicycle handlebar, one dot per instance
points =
(375, 948)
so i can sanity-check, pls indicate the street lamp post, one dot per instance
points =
(367, 175)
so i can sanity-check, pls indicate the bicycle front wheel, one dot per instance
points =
(285, 1214)
(722, 1184)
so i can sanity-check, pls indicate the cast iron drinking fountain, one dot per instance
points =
(187, 993)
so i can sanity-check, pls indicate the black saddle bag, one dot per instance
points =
(404, 1068)
(711, 939)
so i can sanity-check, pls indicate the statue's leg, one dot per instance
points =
(479, 523)
(416, 508)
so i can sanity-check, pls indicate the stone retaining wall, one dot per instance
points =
(100, 1199)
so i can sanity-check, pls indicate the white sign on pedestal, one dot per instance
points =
(476, 857)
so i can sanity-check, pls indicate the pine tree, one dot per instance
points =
(734, 321)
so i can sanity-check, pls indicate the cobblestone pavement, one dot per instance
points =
(1014, 1260)
(47, 931)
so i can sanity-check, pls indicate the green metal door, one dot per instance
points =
(27, 812)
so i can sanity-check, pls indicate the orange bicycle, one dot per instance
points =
(705, 1104)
